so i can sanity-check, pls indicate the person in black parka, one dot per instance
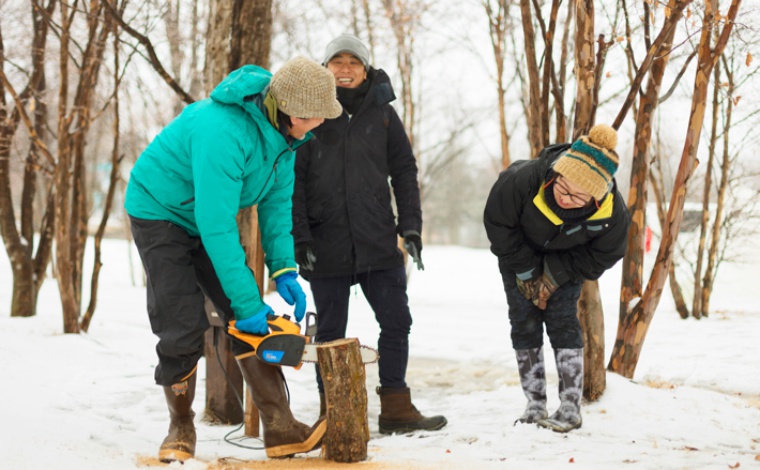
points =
(344, 228)
(554, 222)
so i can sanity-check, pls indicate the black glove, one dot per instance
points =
(413, 245)
(305, 256)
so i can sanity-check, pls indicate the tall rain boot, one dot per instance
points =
(530, 364)
(570, 371)
(399, 415)
(180, 442)
(283, 435)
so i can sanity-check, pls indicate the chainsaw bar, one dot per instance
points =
(285, 346)
(369, 355)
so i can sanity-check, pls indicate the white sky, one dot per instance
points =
(89, 402)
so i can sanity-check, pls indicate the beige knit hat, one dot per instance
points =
(591, 161)
(305, 89)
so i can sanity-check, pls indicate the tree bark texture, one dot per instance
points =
(725, 169)
(240, 33)
(633, 260)
(27, 269)
(498, 24)
(251, 40)
(634, 326)
(534, 83)
(340, 364)
(584, 68)
(222, 405)
(591, 317)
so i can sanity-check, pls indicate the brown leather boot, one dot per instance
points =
(283, 435)
(180, 442)
(399, 415)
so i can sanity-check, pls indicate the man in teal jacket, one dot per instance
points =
(233, 150)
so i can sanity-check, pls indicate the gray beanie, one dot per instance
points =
(350, 44)
(305, 89)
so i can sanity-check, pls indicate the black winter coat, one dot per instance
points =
(525, 233)
(342, 197)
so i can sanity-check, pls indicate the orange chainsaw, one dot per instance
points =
(286, 346)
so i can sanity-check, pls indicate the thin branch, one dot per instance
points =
(154, 61)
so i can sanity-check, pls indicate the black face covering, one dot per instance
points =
(352, 98)
(570, 216)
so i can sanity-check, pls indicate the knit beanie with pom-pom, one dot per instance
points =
(591, 161)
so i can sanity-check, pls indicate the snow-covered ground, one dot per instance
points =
(88, 401)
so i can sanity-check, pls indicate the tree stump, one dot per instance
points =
(344, 377)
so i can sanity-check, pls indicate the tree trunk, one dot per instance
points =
(634, 325)
(27, 270)
(633, 261)
(704, 226)
(534, 83)
(222, 405)
(498, 23)
(343, 373)
(725, 168)
(240, 33)
(591, 316)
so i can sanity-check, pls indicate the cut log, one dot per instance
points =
(344, 377)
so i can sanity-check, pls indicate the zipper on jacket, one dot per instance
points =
(273, 172)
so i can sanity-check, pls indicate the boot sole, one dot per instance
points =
(558, 426)
(288, 450)
(171, 455)
(395, 428)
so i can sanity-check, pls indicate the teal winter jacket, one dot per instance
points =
(219, 155)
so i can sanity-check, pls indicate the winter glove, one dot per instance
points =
(257, 323)
(290, 290)
(413, 245)
(527, 288)
(545, 287)
(305, 256)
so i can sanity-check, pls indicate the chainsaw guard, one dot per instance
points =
(282, 350)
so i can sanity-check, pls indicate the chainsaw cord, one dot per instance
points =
(227, 438)
(240, 402)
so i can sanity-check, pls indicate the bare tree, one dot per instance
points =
(28, 268)
(498, 27)
(635, 322)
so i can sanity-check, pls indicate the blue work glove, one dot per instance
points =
(290, 290)
(257, 323)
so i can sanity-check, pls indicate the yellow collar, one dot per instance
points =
(604, 212)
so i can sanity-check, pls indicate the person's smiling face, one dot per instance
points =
(569, 195)
(348, 70)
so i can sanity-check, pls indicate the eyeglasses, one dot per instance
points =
(565, 191)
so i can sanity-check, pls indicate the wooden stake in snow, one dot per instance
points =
(344, 377)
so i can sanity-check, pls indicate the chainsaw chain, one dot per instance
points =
(377, 354)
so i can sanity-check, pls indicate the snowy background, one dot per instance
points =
(89, 402)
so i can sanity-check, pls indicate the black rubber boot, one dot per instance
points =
(180, 442)
(570, 370)
(399, 415)
(530, 363)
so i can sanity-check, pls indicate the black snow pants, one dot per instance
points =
(179, 273)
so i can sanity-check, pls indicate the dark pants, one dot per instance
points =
(560, 317)
(179, 273)
(386, 293)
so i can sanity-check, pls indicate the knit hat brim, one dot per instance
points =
(346, 43)
(302, 88)
(591, 162)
